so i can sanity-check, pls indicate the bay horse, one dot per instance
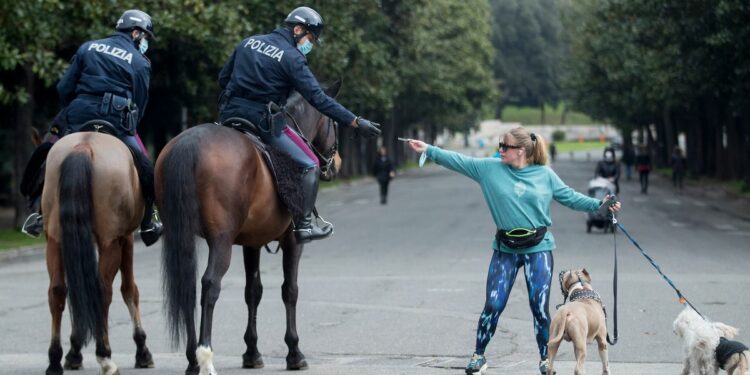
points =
(91, 201)
(212, 182)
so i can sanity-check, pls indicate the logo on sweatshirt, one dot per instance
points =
(519, 188)
(112, 51)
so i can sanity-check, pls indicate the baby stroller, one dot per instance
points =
(598, 188)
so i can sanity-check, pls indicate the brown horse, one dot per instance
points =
(212, 181)
(91, 200)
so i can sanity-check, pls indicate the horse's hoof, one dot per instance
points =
(300, 364)
(144, 360)
(54, 369)
(72, 366)
(192, 370)
(252, 361)
(73, 361)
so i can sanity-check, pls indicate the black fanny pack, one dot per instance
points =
(520, 238)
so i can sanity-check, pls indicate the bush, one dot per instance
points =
(558, 135)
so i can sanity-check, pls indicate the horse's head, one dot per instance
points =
(321, 131)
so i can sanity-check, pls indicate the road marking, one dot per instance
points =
(675, 202)
(677, 224)
(727, 227)
(699, 204)
(446, 290)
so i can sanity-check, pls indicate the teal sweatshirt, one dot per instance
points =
(517, 198)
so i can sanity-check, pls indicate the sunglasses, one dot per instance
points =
(504, 147)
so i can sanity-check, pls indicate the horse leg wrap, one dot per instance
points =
(107, 366)
(205, 360)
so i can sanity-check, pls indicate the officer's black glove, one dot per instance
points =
(367, 128)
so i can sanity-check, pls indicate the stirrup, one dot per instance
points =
(33, 226)
(150, 235)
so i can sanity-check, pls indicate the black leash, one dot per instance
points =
(613, 341)
(683, 299)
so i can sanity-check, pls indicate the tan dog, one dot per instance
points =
(581, 321)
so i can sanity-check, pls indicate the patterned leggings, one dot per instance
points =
(502, 273)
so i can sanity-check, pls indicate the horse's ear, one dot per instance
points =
(333, 89)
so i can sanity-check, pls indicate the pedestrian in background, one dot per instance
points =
(383, 172)
(552, 151)
(628, 158)
(678, 167)
(609, 168)
(518, 189)
(643, 163)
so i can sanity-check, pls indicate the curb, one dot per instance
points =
(22, 254)
(32, 252)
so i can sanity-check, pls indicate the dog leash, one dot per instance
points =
(614, 285)
(683, 299)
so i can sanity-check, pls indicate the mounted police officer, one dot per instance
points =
(266, 68)
(108, 80)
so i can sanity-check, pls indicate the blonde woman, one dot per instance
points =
(518, 188)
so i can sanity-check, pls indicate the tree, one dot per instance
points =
(526, 36)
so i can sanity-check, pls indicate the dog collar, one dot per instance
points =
(585, 294)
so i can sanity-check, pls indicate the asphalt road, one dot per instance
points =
(399, 287)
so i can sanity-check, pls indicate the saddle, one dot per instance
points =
(99, 126)
(285, 171)
(32, 183)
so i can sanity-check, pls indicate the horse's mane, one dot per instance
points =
(296, 102)
(294, 99)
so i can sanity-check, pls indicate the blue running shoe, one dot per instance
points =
(477, 364)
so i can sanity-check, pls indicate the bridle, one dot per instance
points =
(328, 157)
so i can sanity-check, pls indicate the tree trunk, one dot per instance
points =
(541, 113)
(670, 137)
(23, 146)
(734, 147)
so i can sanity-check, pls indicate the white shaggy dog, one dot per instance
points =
(700, 341)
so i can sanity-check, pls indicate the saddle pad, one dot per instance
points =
(287, 175)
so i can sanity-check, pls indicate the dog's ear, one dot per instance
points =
(587, 274)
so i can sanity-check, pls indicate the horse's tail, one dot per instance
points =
(77, 243)
(179, 212)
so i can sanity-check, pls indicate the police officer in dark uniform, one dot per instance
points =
(108, 80)
(266, 68)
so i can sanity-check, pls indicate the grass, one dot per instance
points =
(12, 239)
(568, 146)
(533, 116)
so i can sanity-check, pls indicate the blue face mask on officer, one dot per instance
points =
(305, 48)
(143, 46)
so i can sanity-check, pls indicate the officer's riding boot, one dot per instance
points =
(151, 227)
(32, 184)
(304, 230)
